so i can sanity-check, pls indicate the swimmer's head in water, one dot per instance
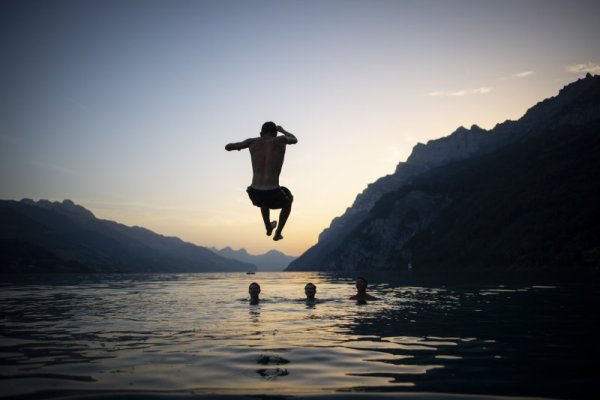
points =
(268, 128)
(310, 290)
(254, 289)
(361, 284)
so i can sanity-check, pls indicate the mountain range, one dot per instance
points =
(522, 196)
(271, 261)
(46, 236)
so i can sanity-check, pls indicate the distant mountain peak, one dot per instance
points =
(273, 260)
(229, 249)
(275, 252)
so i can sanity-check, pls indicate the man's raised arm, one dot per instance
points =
(239, 145)
(287, 137)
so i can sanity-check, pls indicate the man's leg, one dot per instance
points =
(283, 216)
(269, 225)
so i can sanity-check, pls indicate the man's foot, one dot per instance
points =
(277, 236)
(273, 226)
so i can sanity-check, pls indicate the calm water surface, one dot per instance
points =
(148, 335)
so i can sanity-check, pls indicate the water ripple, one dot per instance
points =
(178, 332)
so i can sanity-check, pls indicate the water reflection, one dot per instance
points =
(254, 311)
(178, 332)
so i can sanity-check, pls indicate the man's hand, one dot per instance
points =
(289, 138)
(229, 147)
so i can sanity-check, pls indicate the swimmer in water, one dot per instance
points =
(254, 291)
(310, 290)
(361, 291)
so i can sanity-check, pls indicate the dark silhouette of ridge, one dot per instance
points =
(395, 213)
(65, 237)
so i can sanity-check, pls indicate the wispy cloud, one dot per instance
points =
(460, 93)
(523, 74)
(590, 67)
(448, 94)
(482, 90)
(518, 75)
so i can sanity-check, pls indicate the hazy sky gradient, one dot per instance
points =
(125, 106)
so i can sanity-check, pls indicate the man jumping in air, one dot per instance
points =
(267, 152)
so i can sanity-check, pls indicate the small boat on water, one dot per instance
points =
(250, 273)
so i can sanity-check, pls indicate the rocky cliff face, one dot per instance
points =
(394, 221)
(529, 208)
(576, 104)
(461, 144)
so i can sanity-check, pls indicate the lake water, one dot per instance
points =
(196, 335)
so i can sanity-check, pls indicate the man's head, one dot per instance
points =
(361, 284)
(254, 289)
(268, 128)
(310, 290)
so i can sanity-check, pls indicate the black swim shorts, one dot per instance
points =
(273, 198)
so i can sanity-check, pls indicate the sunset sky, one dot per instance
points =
(125, 107)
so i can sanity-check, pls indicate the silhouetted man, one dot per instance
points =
(361, 291)
(254, 291)
(267, 152)
(310, 290)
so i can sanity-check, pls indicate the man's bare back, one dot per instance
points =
(267, 152)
